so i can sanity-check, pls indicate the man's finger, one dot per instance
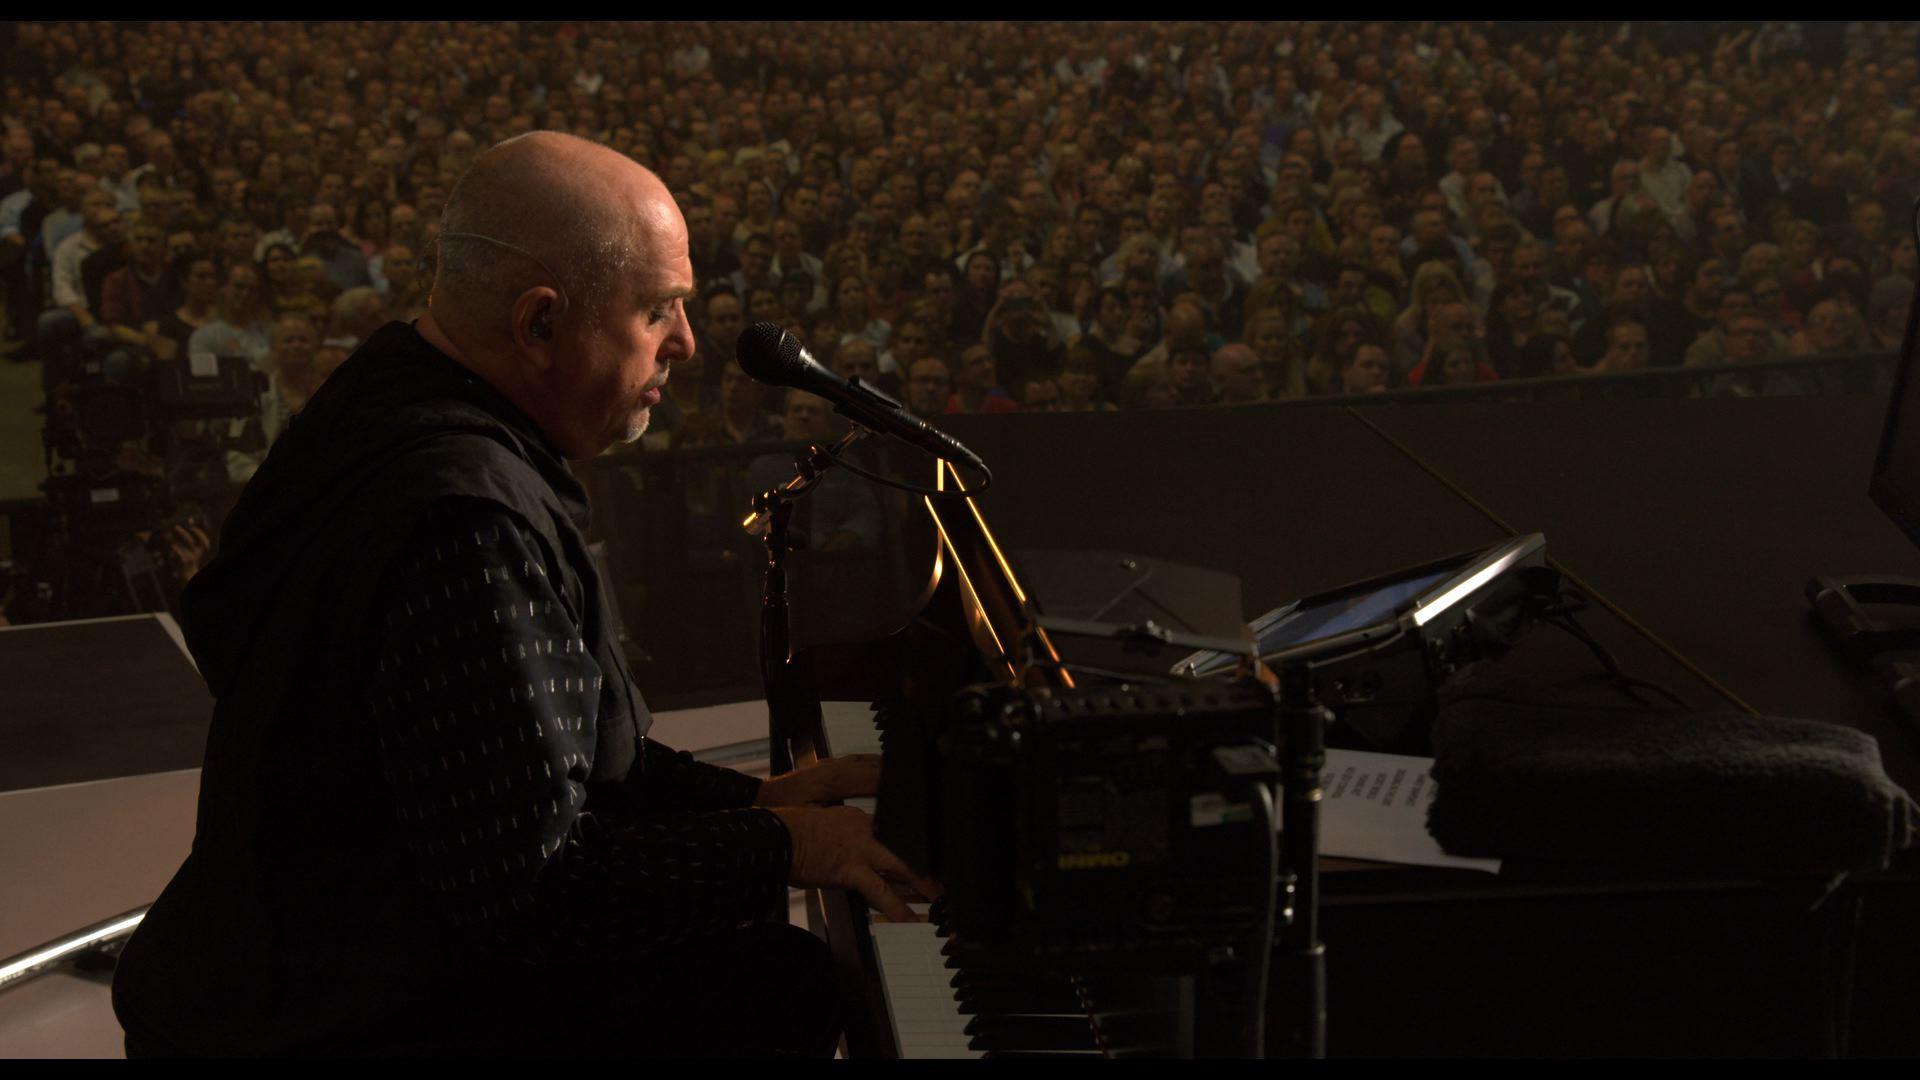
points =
(893, 866)
(875, 889)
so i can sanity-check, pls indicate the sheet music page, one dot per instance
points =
(1374, 806)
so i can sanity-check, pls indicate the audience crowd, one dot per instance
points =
(991, 217)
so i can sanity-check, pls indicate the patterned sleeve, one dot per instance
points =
(668, 779)
(485, 699)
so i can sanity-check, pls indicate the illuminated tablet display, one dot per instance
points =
(1344, 614)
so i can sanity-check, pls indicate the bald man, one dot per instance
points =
(1236, 372)
(430, 818)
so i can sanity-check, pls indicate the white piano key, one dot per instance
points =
(927, 1022)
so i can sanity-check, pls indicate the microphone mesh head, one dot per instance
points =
(768, 354)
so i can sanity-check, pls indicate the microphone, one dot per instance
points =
(769, 354)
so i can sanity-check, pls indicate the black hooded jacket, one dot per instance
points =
(300, 922)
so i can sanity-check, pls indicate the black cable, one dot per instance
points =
(1628, 683)
(915, 489)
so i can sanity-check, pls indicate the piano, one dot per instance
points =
(932, 1006)
(907, 995)
(1538, 961)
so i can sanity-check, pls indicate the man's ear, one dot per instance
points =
(532, 327)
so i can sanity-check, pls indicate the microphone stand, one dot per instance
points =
(1303, 957)
(793, 708)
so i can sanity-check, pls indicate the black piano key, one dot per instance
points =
(1005, 1033)
(1033, 1000)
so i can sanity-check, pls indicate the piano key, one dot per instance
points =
(1049, 1000)
(1030, 1033)
(926, 1018)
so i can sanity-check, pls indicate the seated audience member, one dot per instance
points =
(1041, 395)
(1282, 364)
(1147, 388)
(1710, 348)
(1237, 376)
(1549, 355)
(1834, 327)
(1114, 349)
(1626, 339)
(1888, 307)
(286, 291)
(1021, 339)
(739, 420)
(1187, 371)
(1079, 382)
(977, 384)
(1335, 335)
(200, 293)
(1750, 340)
(400, 281)
(1366, 370)
(340, 258)
(929, 387)
(134, 298)
(241, 326)
(1452, 361)
(357, 313)
(1677, 323)
(1512, 321)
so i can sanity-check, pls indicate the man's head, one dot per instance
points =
(977, 370)
(857, 359)
(561, 278)
(725, 319)
(1832, 325)
(1450, 318)
(756, 257)
(929, 385)
(1659, 146)
(1236, 372)
(240, 291)
(807, 416)
(294, 342)
(147, 246)
(1365, 370)
(1626, 346)
(1748, 338)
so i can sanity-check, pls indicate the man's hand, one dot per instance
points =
(189, 545)
(826, 781)
(833, 847)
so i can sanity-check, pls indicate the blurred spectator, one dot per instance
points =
(1833, 327)
(134, 298)
(1451, 361)
(1626, 348)
(1365, 370)
(977, 384)
(240, 326)
(1237, 376)
(1071, 205)
(1888, 308)
(1079, 383)
(200, 292)
(929, 387)
(739, 419)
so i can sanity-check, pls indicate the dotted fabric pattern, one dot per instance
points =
(485, 700)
